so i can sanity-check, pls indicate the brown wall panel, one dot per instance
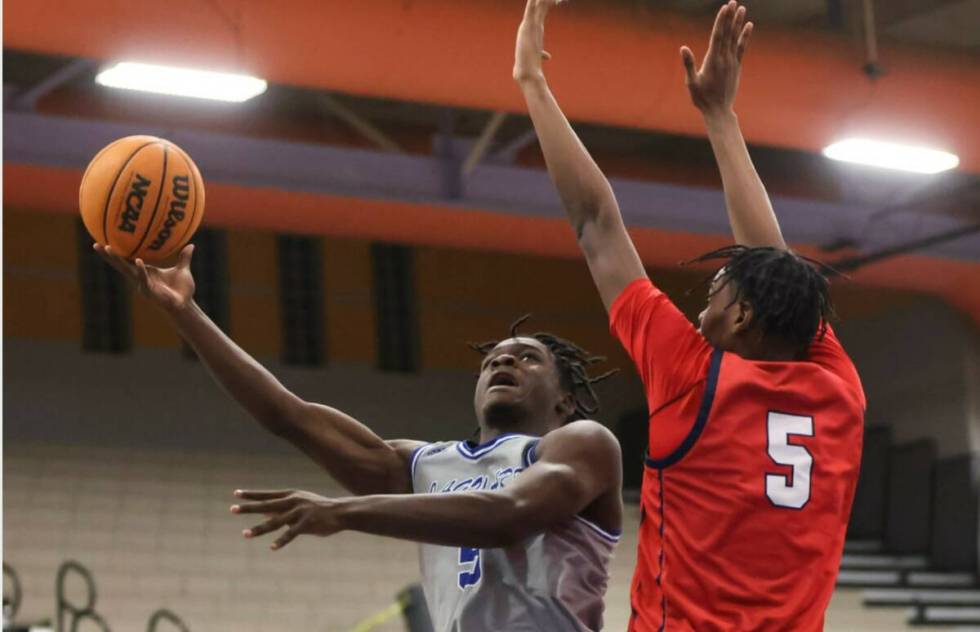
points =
(253, 275)
(349, 305)
(151, 327)
(474, 296)
(40, 276)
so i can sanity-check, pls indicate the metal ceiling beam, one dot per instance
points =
(483, 142)
(28, 98)
(31, 138)
(508, 153)
(615, 63)
(359, 124)
(853, 263)
(890, 12)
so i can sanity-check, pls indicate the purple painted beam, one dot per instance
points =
(35, 139)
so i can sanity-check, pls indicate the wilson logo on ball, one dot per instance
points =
(134, 204)
(181, 192)
(144, 197)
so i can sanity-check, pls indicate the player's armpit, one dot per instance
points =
(360, 460)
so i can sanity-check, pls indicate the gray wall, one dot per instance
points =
(918, 365)
(54, 393)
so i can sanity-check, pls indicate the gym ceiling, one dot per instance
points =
(397, 120)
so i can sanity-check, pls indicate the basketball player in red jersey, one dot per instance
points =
(756, 417)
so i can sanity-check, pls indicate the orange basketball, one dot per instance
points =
(143, 196)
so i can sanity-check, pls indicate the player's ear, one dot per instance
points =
(566, 405)
(744, 317)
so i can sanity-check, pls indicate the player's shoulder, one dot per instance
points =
(581, 434)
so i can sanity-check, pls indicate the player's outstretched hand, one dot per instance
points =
(530, 51)
(713, 87)
(170, 288)
(302, 512)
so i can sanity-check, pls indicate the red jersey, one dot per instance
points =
(749, 477)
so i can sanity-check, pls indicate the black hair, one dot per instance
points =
(789, 293)
(573, 364)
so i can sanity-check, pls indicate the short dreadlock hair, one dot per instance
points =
(789, 293)
(573, 364)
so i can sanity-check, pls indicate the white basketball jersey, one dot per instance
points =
(553, 581)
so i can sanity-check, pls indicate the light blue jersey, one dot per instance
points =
(553, 581)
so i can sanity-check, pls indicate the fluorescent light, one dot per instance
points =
(185, 82)
(892, 155)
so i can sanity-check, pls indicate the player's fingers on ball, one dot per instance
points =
(118, 262)
(185, 256)
(143, 272)
(261, 494)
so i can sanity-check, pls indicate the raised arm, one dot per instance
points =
(584, 191)
(713, 88)
(578, 471)
(356, 457)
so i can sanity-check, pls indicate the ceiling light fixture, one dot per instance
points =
(892, 155)
(185, 82)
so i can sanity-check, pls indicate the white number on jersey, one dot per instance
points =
(789, 491)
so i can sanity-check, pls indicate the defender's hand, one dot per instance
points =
(530, 41)
(302, 512)
(713, 87)
(170, 288)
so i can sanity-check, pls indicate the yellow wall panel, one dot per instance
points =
(40, 276)
(349, 308)
(253, 275)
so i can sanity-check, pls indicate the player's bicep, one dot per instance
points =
(575, 465)
(548, 493)
(611, 255)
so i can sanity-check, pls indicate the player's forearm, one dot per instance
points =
(749, 210)
(352, 454)
(247, 381)
(584, 191)
(466, 519)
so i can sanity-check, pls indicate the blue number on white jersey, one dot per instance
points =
(469, 559)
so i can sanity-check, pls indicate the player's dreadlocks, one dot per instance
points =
(788, 292)
(573, 364)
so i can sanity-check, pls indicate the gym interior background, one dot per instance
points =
(382, 204)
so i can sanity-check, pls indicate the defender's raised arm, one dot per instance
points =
(713, 88)
(585, 193)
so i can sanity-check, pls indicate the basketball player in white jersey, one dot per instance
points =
(516, 530)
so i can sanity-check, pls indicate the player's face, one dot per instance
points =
(518, 377)
(718, 318)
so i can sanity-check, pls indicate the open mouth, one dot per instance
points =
(502, 379)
